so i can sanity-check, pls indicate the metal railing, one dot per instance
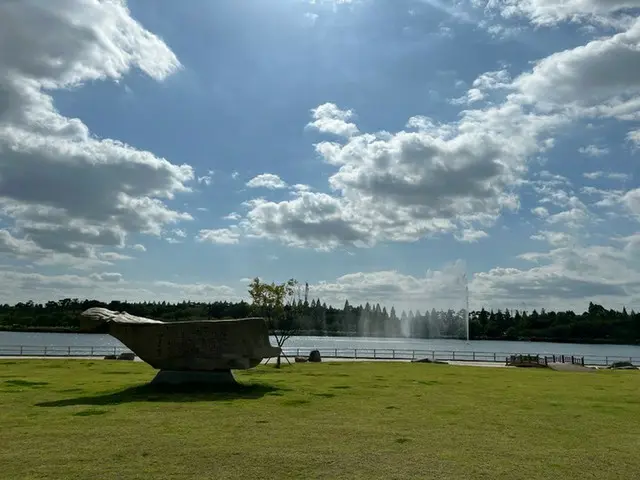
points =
(447, 355)
(346, 353)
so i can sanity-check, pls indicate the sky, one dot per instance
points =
(380, 150)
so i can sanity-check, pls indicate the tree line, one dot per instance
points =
(595, 325)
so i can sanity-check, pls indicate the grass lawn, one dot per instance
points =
(94, 420)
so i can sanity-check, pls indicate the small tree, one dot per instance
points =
(278, 304)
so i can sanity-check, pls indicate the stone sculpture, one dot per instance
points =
(201, 351)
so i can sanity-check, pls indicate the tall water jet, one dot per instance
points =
(466, 310)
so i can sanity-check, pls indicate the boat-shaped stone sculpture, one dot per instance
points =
(199, 351)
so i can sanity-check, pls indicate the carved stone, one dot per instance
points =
(212, 346)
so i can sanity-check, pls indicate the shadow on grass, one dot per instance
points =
(25, 383)
(164, 393)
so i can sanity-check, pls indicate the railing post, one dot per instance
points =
(413, 354)
(91, 354)
(68, 351)
(355, 353)
(474, 356)
(297, 352)
(21, 347)
(606, 361)
(45, 351)
(494, 356)
(454, 355)
(335, 353)
(393, 354)
(374, 353)
(433, 355)
(115, 351)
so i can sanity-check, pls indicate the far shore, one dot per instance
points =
(578, 341)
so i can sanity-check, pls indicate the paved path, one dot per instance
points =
(567, 367)
(570, 367)
(271, 361)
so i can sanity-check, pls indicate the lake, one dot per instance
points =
(72, 341)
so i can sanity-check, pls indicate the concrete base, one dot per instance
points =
(194, 377)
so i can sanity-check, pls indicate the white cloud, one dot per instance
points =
(484, 84)
(601, 78)
(198, 291)
(267, 180)
(540, 212)
(555, 239)
(107, 277)
(551, 12)
(608, 175)
(593, 151)
(631, 200)
(328, 118)
(436, 289)
(569, 275)
(206, 179)
(139, 247)
(222, 236)
(311, 17)
(19, 286)
(408, 185)
(471, 236)
(634, 137)
(67, 192)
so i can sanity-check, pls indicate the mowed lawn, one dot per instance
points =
(77, 419)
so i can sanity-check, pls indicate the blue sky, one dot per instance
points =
(376, 149)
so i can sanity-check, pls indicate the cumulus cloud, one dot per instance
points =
(566, 275)
(408, 185)
(267, 180)
(328, 118)
(222, 236)
(107, 277)
(540, 212)
(608, 175)
(601, 78)
(53, 171)
(551, 12)
(593, 151)
(435, 289)
(20, 287)
(458, 176)
(470, 236)
(207, 179)
(483, 85)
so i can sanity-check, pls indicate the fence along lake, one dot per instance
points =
(34, 343)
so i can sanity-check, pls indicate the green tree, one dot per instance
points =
(276, 303)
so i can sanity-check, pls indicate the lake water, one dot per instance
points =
(58, 341)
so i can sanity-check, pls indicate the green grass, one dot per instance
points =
(73, 419)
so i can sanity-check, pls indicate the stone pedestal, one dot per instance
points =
(194, 377)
